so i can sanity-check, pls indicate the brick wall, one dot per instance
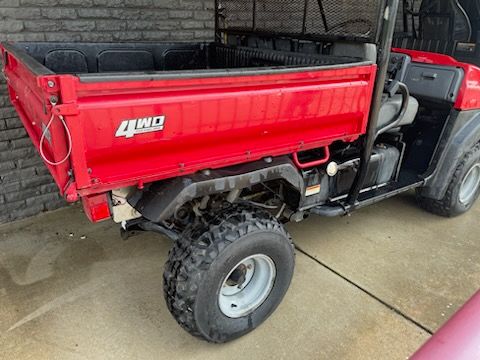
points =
(26, 188)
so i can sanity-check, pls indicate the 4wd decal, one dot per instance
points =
(130, 128)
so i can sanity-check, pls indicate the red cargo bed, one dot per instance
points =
(131, 128)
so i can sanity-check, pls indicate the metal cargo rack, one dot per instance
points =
(316, 20)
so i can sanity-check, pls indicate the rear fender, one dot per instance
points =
(460, 136)
(160, 200)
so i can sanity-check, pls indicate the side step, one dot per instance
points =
(367, 198)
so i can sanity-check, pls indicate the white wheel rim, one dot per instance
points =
(247, 286)
(470, 185)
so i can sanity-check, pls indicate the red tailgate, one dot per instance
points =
(214, 122)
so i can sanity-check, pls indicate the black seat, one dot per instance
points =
(444, 20)
(472, 8)
(391, 107)
(441, 25)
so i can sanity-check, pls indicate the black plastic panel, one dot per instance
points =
(184, 59)
(66, 61)
(382, 169)
(436, 83)
(125, 60)
(398, 66)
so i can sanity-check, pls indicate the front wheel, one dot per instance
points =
(223, 279)
(463, 190)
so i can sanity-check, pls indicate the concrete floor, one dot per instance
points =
(369, 286)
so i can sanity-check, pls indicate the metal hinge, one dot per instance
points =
(70, 192)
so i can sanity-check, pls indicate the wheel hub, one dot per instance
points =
(470, 185)
(238, 276)
(247, 286)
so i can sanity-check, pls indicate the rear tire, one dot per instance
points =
(243, 250)
(463, 190)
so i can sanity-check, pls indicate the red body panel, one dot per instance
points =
(210, 122)
(469, 95)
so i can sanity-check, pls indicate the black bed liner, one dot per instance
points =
(98, 58)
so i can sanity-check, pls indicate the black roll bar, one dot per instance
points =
(322, 12)
(387, 31)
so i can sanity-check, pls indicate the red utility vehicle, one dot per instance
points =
(296, 107)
